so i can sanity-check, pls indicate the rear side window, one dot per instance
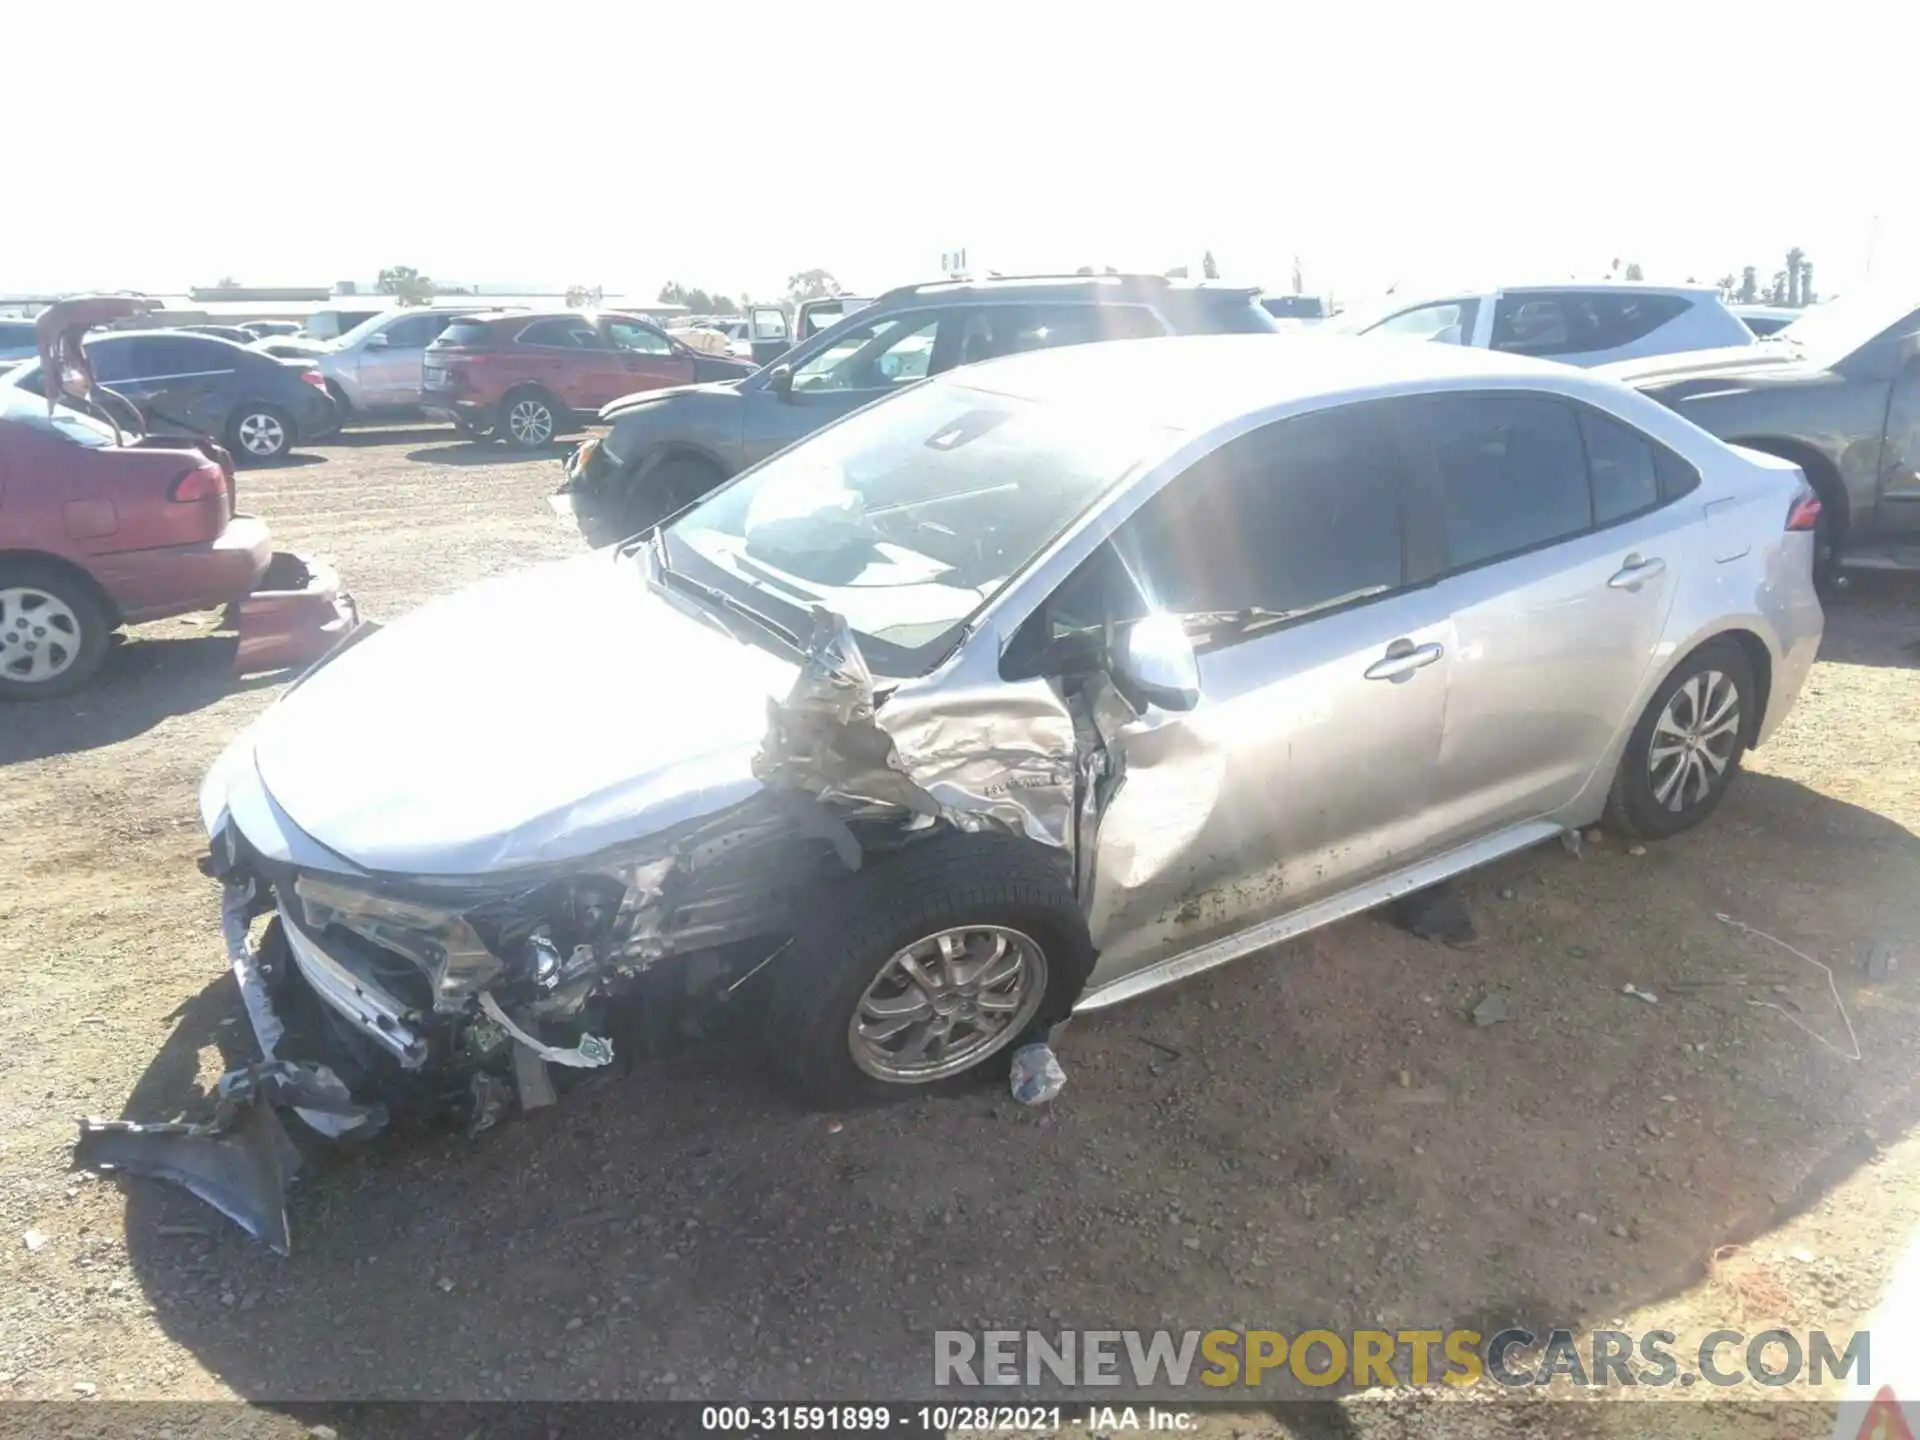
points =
(465, 333)
(1231, 314)
(1511, 472)
(996, 330)
(563, 335)
(159, 355)
(1625, 478)
(1574, 322)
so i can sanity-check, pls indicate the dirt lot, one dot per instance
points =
(1316, 1137)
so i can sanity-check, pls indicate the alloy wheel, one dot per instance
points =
(262, 434)
(1694, 740)
(946, 1002)
(39, 635)
(530, 422)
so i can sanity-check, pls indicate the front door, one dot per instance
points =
(858, 366)
(1306, 766)
(767, 333)
(648, 359)
(1900, 456)
(1563, 547)
(390, 372)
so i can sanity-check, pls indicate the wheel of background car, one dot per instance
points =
(528, 419)
(1685, 751)
(260, 432)
(926, 965)
(53, 631)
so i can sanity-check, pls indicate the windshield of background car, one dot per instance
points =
(909, 516)
(1830, 332)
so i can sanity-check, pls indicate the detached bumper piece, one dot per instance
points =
(296, 614)
(241, 1161)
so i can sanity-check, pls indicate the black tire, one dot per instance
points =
(32, 590)
(1636, 806)
(253, 427)
(665, 490)
(528, 419)
(853, 930)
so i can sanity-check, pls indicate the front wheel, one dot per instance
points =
(929, 964)
(1685, 752)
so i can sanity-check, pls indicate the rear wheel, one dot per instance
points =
(53, 631)
(1684, 754)
(260, 432)
(927, 965)
(528, 419)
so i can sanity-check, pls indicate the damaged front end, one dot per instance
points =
(456, 1001)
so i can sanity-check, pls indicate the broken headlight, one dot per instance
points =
(440, 941)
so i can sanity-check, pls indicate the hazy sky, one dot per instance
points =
(728, 144)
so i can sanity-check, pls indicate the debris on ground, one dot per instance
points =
(1570, 842)
(1492, 1010)
(1438, 912)
(1881, 961)
(242, 1160)
(1853, 1040)
(1637, 993)
(1037, 1076)
(36, 1241)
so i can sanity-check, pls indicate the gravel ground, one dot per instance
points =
(1314, 1137)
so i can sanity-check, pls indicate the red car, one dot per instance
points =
(103, 524)
(526, 378)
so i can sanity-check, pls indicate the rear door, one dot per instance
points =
(767, 333)
(570, 358)
(184, 383)
(648, 360)
(861, 364)
(1561, 534)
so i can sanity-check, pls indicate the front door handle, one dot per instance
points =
(1633, 570)
(1403, 657)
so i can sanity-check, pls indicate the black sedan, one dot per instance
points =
(259, 407)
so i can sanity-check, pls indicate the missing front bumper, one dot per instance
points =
(296, 614)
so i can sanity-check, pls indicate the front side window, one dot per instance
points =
(907, 517)
(1447, 323)
(896, 350)
(1534, 325)
(1295, 519)
(626, 335)
(1510, 471)
(416, 332)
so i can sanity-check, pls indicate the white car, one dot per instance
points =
(1574, 324)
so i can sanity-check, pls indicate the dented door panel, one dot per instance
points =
(1295, 776)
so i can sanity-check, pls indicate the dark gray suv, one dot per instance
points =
(668, 448)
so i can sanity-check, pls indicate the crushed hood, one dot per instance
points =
(627, 404)
(539, 717)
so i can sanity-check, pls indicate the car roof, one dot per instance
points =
(1197, 382)
(94, 337)
(1074, 287)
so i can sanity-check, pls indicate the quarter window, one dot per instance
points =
(1511, 473)
(1625, 480)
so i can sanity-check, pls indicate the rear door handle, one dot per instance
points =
(1633, 570)
(1403, 657)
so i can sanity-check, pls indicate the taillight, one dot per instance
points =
(315, 379)
(1805, 512)
(203, 482)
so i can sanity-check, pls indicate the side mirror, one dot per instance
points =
(780, 380)
(1156, 665)
(378, 341)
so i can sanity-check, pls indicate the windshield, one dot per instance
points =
(1829, 333)
(909, 516)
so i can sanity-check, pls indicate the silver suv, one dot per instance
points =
(1574, 324)
(376, 366)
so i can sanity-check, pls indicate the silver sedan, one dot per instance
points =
(1032, 688)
